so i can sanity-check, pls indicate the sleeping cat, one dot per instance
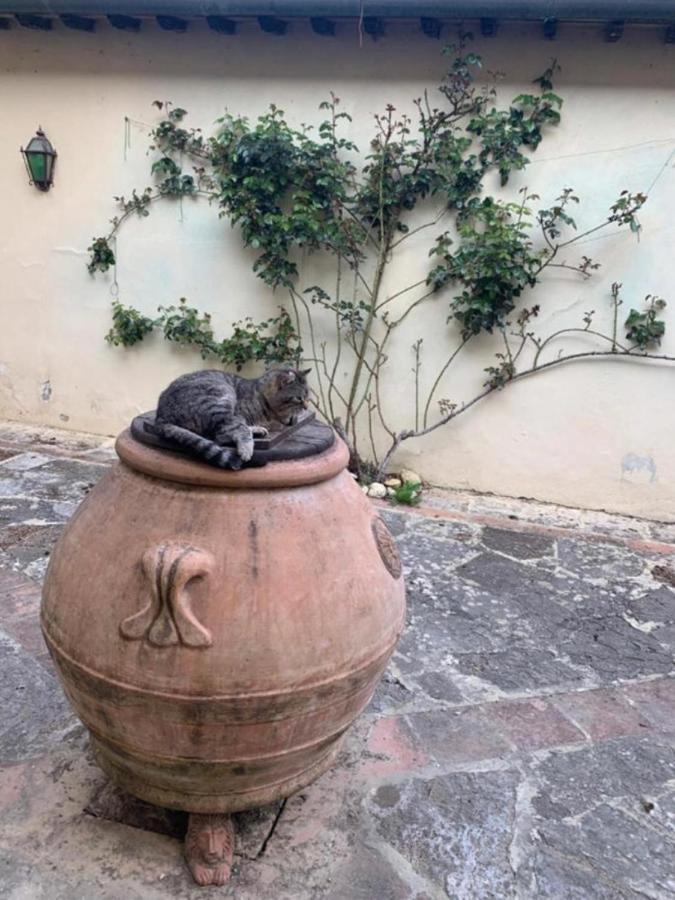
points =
(202, 411)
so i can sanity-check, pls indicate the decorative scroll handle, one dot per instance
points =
(167, 618)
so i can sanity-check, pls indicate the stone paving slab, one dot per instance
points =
(521, 744)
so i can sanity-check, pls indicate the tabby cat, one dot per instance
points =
(202, 411)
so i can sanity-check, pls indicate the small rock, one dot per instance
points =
(364, 488)
(377, 491)
(393, 482)
(390, 491)
(407, 475)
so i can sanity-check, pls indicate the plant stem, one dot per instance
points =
(312, 338)
(438, 380)
(401, 436)
(615, 299)
(297, 317)
(370, 429)
(395, 444)
(412, 306)
(416, 371)
(411, 287)
(527, 372)
(556, 334)
(430, 224)
(338, 339)
(362, 349)
(575, 269)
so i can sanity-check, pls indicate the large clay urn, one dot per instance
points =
(217, 632)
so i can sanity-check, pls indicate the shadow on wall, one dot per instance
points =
(640, 60)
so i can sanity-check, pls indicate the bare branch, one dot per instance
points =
(426, 225)
(439, 377)
(411, 287)
(608, 354)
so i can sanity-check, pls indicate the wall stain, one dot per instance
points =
(638, 469)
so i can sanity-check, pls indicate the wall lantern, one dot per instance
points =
(39, 157)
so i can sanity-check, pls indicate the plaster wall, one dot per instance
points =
(598, 434)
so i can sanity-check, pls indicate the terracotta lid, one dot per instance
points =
(170, 466)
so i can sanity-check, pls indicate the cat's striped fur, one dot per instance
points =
(205, 410)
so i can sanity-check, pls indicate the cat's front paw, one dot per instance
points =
(259, 431)
(228, 459)
(245, 448)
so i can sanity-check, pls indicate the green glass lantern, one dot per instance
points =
(40, 157)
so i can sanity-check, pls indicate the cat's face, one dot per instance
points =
(286, 393)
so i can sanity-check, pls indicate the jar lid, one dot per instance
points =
(312, 457)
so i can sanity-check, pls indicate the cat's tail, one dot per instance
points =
(201, 447)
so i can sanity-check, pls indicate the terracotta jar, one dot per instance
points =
(217, 632)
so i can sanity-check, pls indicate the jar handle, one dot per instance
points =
(167, 618)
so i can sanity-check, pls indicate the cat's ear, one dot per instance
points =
(305, 372)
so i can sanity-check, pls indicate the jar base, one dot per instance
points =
(140, 785)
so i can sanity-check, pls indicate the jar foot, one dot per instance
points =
(209, 847)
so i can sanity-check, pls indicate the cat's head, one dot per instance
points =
(286, 393)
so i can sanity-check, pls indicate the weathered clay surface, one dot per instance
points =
(507, 754)
(218, 632)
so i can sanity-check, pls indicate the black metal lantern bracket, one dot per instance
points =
(39, 157)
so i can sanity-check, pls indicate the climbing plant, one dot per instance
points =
(292, 191)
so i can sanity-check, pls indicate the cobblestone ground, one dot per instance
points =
(522, 744)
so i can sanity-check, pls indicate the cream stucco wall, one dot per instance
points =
(598, 435)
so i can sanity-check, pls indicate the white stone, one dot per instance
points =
(390, 492)
(407, 475)
(393, 482)
(377, 491)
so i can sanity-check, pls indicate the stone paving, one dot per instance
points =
(521, 745)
